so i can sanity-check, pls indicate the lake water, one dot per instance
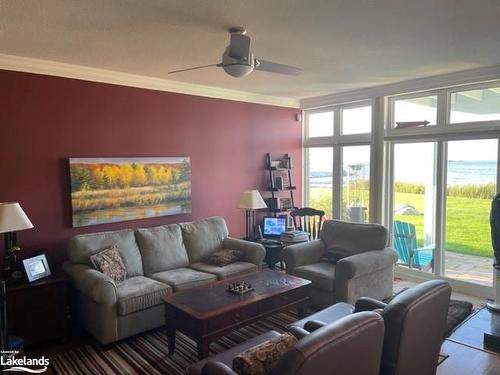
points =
(459, 173)
(113, 215)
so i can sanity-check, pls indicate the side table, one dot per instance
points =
(39, 311)
(273, 253)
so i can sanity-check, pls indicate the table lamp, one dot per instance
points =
(12, 219)
(251, 200)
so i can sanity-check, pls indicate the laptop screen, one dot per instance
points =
(273, 226)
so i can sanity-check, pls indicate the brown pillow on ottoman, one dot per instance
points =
(222, 258)
(262, 358)
(110, 262)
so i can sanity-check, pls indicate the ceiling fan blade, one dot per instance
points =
(194, 68)
(239, 46)
(269, 66)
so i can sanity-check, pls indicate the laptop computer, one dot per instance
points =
(272, 227)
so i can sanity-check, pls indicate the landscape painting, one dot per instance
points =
(107, 190)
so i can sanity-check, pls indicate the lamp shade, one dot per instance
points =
(251, 199)
(13, 218)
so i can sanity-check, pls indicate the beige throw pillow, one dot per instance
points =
(110, 263)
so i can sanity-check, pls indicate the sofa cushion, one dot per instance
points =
(232, 269)
(161, 248)
(203, 237)
(183, 278)
(322, 275)
(83, 246)
(139, 293)
(110, 263)
(345, 238)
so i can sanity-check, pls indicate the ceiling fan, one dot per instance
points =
(239, 61)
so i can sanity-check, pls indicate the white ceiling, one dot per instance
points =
(340, 45)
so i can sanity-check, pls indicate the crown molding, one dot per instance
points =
(485, 74)
(54, 68)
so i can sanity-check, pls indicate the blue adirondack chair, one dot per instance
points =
(405, 243)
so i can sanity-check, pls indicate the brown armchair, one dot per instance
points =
(333, 349)
(415, 325)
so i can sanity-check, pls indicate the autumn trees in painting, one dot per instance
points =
(113, 189)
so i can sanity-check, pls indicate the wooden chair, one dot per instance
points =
(308, 220)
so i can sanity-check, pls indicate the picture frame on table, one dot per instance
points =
(36, 267)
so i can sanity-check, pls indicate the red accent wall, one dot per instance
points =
(44, 120)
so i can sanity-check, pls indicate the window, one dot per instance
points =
(338, 168)
(320, 179)
(413, 110)
(356, 183)
(432, 187)
(357, 120)
(320, 124)
(475, 105)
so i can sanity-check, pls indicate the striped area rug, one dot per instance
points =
(148, 353)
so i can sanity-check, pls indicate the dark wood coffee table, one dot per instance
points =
(207, 313)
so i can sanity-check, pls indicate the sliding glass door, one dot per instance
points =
(470, 185)
(414, 204)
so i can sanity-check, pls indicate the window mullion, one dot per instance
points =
(376, 161)
(440, 224)
(442, 109)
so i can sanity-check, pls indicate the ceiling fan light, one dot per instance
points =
(238, 70)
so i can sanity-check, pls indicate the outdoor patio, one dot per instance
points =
(469, 268)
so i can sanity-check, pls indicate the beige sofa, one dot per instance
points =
(159, 261)
(360, 264)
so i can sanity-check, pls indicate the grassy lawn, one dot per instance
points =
(467, 220)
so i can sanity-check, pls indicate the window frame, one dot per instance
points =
(381, 141)
(337, 141)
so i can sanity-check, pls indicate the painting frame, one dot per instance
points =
(114, 189)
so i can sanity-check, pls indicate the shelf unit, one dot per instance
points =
(280, 169)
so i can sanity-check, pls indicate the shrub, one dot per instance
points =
(482, 191)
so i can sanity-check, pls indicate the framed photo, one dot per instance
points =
(286, 203)
(36, 267)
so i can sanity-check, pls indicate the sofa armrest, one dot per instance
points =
(94, 284)
(216, 368)
(365, 263)
(254, 252)
(368, 304)
(313, 325)
(302, 254)
(298, 332)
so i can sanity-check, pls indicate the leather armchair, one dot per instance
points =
(334, 349)
(364, 265)
(415, 325)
